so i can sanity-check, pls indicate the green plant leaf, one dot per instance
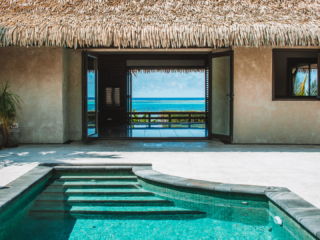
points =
(10, 104)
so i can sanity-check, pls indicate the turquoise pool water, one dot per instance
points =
(115, 205)
(146, 228)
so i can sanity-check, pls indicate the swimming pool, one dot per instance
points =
(135, 202)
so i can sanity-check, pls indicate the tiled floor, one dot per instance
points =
(155, 130)
(295, 167)
(168, 133)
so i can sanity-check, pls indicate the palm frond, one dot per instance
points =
(314, 88)
(301, 89)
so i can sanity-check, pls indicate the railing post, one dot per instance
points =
(149, 117)
(169, 117)
(189, 116)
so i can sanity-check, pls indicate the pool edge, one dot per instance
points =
(303, 212)
(11, 192)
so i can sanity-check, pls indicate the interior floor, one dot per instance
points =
(154, 130)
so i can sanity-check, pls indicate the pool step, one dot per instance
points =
(96, 202)
(104, 193)
(62, 197)
(101, 172)
(96, 178)
(91, 189)
(101, 210)
(112, 194)
(62, 185)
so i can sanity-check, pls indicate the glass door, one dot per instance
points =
(221, 96)
(129, 102)
(318, 77)
(90, 97)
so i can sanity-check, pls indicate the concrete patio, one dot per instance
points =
(296, 167)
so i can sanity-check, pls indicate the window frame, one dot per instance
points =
(289, 80)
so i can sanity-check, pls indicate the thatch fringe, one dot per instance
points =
(159, 23)
(168, 70)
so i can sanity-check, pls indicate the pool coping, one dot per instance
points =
(10, 192)
(296, 207)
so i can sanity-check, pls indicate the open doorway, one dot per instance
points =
(168, 103)
(157, 96)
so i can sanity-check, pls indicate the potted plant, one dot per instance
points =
(9, 105)
(1, 137)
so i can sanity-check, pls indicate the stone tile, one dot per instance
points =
(224, 187)
(203, 184)
(313, 224)
(152, 133)
(294, 203)
(249, 189)
(301, 213)
(168, 133)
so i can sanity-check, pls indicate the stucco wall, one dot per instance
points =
(65, 80)
(49, 82)
(36, 75)
(74, 94)
(258, 119)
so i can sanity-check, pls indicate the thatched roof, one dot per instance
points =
(166, 70)
(159, 23)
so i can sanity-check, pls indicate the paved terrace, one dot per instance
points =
(296, 167)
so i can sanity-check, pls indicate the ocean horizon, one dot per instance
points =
(92, 98)
(168, 104)
(168, 98)
(162, 104)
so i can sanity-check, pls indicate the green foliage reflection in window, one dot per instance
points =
(304, 79)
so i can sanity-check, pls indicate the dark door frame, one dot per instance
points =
(162, 56)
(85, 136)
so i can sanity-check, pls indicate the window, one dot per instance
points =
(117, 97)
(112, 97)
(295, 74)
(303, 77)
(109, 96)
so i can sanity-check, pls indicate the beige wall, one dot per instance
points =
(65, 80)
(48, 79)
(74, 94)
(258, 119)
(36, 75)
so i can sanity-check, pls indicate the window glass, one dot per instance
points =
(91, 94)
(313, 79)
(304, 75)
(300, 78)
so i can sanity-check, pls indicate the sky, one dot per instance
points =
(162, 85)
(91, 84)
(168, 85)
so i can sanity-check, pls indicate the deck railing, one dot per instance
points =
(167, 116)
